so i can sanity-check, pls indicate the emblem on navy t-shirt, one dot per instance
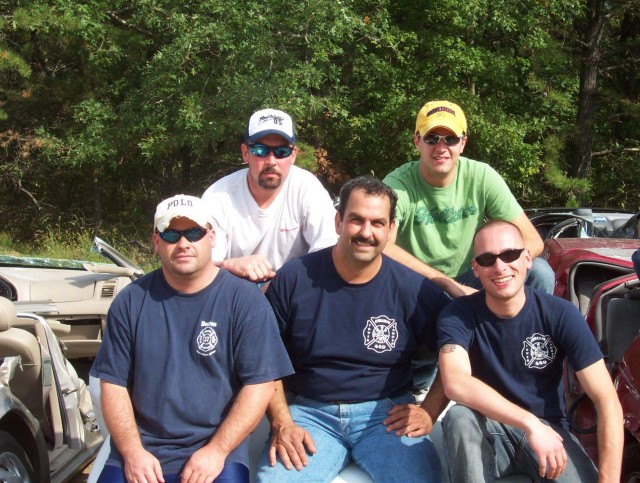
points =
(207, 339)
(538, 351)
(380, 334)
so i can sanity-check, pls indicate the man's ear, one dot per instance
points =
(463, 143)
(416, 139)
(474, 267)
(528, 259)
(154, 240)
(245, 153)
(338, 221)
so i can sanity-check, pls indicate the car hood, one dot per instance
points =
(619, 248)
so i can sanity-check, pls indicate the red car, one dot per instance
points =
(597, 275)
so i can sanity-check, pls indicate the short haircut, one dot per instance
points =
(372, 186)
(492, 223)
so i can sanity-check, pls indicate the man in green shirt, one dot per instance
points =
(443, 198)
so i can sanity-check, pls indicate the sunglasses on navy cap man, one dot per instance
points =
(262, 150)
(192, 235)
(507, 256)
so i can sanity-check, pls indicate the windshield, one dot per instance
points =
(31, 262)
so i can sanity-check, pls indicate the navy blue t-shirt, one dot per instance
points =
(184, 357)
(522, 358)
(352, 342)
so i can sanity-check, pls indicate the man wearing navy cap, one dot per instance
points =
(271, 211)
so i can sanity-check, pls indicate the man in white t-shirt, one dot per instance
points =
(271, 211)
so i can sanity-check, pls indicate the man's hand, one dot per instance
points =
(409, 420)
(291, 443)
(547, 444)
(203, 466)
(253, 267)
(142, 467)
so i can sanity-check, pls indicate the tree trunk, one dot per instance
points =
(581, 164)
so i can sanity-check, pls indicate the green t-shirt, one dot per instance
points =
(436, 225)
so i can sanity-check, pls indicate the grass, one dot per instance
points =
(77, 245)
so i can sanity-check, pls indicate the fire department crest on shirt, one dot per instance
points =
(538, 351)
(207, 339)
(380, 334)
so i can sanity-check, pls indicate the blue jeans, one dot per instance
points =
(541, 276)
(231, 473)
(479, 449)
(346, 432)
(636, 262)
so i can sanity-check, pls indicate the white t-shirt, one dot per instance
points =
(300, 220)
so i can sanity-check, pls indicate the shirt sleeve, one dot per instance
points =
(402, 193)
(500, 202)
(454, 325)
(215, 205)
(113, 362)
(576, 338)
(258, 348)
(319, 223)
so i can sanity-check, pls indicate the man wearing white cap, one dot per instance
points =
(443, 198)
(271, 211)
(188, 360)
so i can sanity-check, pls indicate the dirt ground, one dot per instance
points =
(82, 477)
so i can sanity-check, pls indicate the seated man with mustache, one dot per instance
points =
(351, 320)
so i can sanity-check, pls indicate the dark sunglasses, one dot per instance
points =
(192, 235)
(507, 256)
(449, 139)
(262, 150)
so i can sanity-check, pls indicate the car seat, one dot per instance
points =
(27, 382)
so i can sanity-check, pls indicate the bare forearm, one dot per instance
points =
(610, 441)
(118, 415)
(278, 410)
(436, 400)
(532, 240)
(477, 395)
(460, 386)
(448, 284)
(243, 417)
(596, 382)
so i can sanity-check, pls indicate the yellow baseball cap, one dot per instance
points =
(441, 114)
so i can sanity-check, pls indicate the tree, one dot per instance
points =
(111, 105)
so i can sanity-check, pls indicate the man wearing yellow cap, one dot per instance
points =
(443, 198)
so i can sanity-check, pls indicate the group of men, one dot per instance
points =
(193, 356)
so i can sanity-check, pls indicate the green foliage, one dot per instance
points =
(108, 106)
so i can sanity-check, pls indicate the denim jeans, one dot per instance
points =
(354, 432)
(541, 277)
(479, 449)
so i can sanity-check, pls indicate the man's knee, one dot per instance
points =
(541, 276)
(460, 421)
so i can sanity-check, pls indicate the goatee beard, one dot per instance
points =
(269, 183)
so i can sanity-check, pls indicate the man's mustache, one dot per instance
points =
(367, 241)
(269, 171)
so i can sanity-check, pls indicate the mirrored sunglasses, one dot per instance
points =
(449, 140)
(262, 150)
(192, 235)
(507, 256)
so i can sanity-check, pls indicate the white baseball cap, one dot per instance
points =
(182, 206)
(270, 121)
